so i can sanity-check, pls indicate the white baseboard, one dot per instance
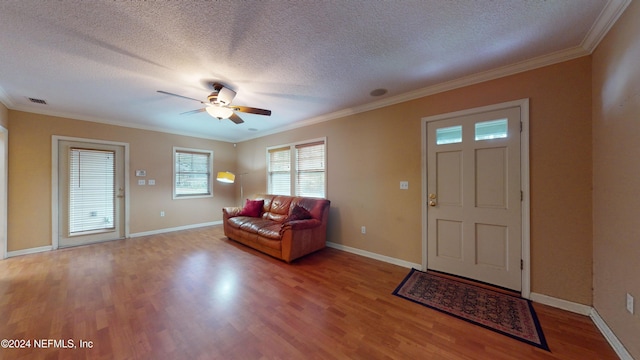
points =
(29, 251)
(577, 308)
(571, 306)
(177, 228)
(581, 309)
(146, 233)
(617, 346)
(375, 256)
(561, 304)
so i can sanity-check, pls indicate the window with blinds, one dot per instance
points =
(279, 181)
(91, 191)
(192, 173)
(307, 159)
(310, 171)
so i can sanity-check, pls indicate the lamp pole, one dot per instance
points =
(241, 188)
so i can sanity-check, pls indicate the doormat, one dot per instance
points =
(506, 314)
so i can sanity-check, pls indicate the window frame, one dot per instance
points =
(293, 170)
(209, 154)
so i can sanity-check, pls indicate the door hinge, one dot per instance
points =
(520, 126)
(521, 264)
(521, 195)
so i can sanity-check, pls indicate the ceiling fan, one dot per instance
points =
(219, 106)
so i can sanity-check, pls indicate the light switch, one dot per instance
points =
(404, 185)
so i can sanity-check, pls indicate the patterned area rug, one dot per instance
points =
(503, 313)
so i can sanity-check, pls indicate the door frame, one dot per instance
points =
(524, 175)
(55, 143)
(4, 176)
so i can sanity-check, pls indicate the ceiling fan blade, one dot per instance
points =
(236, 119)
(184, 97)
(250, 110)
(193, 111)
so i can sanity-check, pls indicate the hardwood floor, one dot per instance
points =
(196, 295)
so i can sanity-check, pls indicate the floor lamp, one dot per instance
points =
(229, 177)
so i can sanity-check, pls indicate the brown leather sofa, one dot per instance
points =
(279, 230)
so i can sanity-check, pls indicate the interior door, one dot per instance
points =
(474, 197)
(91, 193)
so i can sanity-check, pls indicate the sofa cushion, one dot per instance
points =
(253, 225)
(252, 208)
(298, 213)
(279, 209)
(271, 231)
(315, 206)
(237, 221)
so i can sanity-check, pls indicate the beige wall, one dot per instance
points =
(616, 148)
(29, 208)
(363, 149)
(370, 153)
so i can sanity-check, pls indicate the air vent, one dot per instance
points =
(378, 92)
(38, 101)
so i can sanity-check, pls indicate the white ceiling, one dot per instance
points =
(307, 61)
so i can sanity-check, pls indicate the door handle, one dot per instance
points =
(432, 200)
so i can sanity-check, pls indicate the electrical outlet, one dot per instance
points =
(404, 185)
(161, 213)
(629, 303)
(363, 229)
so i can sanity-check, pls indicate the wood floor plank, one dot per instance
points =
(194, 294)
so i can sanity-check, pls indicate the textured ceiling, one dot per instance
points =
(305, 60)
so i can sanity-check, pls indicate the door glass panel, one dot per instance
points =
(91, 191)
(449, 135)
(494, 129)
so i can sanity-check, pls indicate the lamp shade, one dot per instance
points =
(226, 177)
(219, 112)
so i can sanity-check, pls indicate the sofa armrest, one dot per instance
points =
(302, 237)
(300, 224)
(228, 212)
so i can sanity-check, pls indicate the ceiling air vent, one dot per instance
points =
(37, 101)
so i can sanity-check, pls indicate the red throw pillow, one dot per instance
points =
(252, 208)
(298, 213)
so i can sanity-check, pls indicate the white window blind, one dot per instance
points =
(279, 181)
(310, 170)
(192, 173)
(91, 190)
(309, 175)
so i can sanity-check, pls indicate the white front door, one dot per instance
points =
(474, 220)
(91, 192)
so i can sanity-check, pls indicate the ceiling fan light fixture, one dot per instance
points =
(219, 112)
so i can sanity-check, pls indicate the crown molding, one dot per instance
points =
(609, 15)
(538, 62)
(120, 123)
(5, 99)
(611, 12)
